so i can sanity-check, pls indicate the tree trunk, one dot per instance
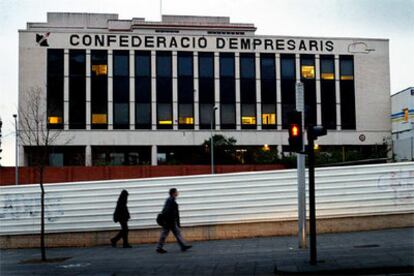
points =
(42, 216)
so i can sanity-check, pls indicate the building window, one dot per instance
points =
(288, 80)
(227, 91)
(248, 90)
(268, 90)
(347, 88)
(77, 89)
(307, 64)
(347, 68)
(328, 97)
(164, 90)
(185, 90)
(121, 89)
(55, 88)
(99, 89)
(143, 90)
(206, 89)
(120, 155)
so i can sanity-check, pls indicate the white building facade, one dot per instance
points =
(403, 124)
(135, 91)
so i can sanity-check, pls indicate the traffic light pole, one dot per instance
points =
(312, 213)
(301, 174)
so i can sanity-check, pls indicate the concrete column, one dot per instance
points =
(88, 89)
(258, 93)
(66, 89)
(237, 75)
(337, 95)
(175, 90)
(318, 91)
(153, 91)
(154, 157)
(196, 92)
(131, 89)
(88, 155)
(217, 88)
(110, 91)
(278, 94)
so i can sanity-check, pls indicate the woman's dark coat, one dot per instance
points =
(121, 213)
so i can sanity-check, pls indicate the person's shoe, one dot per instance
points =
(113, 243)
(161, 251)
(186, 247)
(127, 246)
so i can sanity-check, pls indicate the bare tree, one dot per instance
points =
(34, 132)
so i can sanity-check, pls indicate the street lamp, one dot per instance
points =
(211, 138)
(17, 150)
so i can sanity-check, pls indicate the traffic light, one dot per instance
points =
(316, 131)
(295, 131)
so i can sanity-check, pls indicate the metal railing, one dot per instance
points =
(209, 199)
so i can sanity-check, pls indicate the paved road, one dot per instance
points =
(257, 256)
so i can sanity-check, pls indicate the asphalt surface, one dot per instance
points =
(383, 252)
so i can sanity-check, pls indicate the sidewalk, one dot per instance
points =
(259, 256)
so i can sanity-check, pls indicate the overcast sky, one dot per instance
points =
(392, 19)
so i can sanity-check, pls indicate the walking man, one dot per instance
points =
(171, 222)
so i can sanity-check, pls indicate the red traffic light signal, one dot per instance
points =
(295, 132)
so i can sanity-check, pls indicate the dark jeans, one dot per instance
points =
(177, 233)
(122, 234)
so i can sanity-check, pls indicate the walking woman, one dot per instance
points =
(122, 216)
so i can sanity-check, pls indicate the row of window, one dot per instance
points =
(185, 89)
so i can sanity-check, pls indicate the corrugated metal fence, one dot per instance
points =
(206, 199)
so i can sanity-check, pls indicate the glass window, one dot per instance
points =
(227, 64)
(227, 90)
(164, 115)
(346, 68)
(164, 64)
(77, 62)
(206, 112)
(185, 114)
(77, 89)
(121, 63)
(143, 89)
(99, 62)
(228, 116)
(99, 88)
(143, 63)
(206, 65)
(54, 92)
(247, 66)
(185, 64)
(143, 115)
(121, 115)
(307, 66)
(121, 89)
(248, 114)
(206, 90)
(287, 63)
(327, 67)
(268, 114)
(267, 67)
(328, 104)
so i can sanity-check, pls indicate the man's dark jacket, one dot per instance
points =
(170, 213)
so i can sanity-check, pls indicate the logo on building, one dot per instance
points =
(42, 39)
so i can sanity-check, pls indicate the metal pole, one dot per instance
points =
(312, 215)
(212, 139)
(16, 173)
(300, 159)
